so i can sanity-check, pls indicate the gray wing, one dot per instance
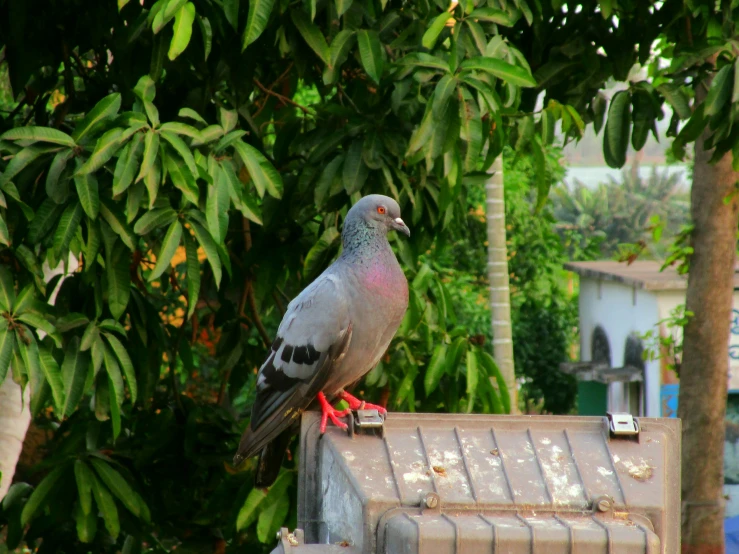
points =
(313, 336)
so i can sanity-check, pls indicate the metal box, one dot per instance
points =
(468, 484)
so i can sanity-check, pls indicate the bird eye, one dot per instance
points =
(381, 209)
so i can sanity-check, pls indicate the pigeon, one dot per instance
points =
(332, 334)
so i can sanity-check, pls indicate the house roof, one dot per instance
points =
(644, 274)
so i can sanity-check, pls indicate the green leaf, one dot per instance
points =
(677, 98)
(71, 320)
(56, 190)
(87, 190)
(40, 494)
(84, 477)
(277, 504)
(340, 46)
(735, 89)
(259, 12)
(4, 232)
(28, 259)
(169, 247)
(209, 134)
(177, 128)
(125, 364)
(311, 34)
(355, 172)
(492, 15)
(618, 128)
(127, 164)
(105, 502)
(190, 114)
(7, 289)
(160, 18)
(86, 524)
(182, 30)
(74, 374)
(193, 274)
(45, 218)
(50, 368)
(182, 179)
(442, 94)
(498, 68)
(342, 6)
(7, 344)
(89, 336)
(114, 373)
(473, 374)
(41, 323)
(151, 150)
(216, 208)
(112, 326)
(103, 110)
(117, 485)
(249, 511)
(422, 134)
(119, 280)
(370, 53)
(181, 148)
(154, 219)
(38, 134)
(209, 246)
(67, 229)
(19, 162)
(262, 172)
(719, 92)
(437, 26)
(152, 181)
(421, 59)
(92, 246)
(117, 222)
(231, 11)
(106, 146)
(318, 256)
(26, 300)
(493, 371)
(435, 369)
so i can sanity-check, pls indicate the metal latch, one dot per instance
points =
(623, 424)
(369, 421)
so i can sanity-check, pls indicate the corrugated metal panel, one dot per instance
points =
(496, 478)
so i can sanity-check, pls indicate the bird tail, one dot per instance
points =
(270, 460)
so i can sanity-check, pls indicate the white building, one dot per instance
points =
(618, 304)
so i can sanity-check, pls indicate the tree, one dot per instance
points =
(201, 185)
(500, 296)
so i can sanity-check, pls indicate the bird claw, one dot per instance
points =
(357, 404)
(329, 412)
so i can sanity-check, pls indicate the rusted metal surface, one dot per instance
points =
(465, 483)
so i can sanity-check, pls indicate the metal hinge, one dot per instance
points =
(367, 421)
(623, 424)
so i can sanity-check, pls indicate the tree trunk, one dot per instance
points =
(15, 416)
(500, 296)
(705, 365)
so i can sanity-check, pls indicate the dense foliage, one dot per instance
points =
(623, 212)
(196, 160)
(194, 187)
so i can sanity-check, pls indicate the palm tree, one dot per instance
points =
(500, 297)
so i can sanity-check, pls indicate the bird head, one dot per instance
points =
(378, 210)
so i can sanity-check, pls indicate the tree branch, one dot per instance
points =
(283, 99)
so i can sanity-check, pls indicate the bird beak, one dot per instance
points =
(399, 225)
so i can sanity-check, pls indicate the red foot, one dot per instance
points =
(357, 404)
(328, 411)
